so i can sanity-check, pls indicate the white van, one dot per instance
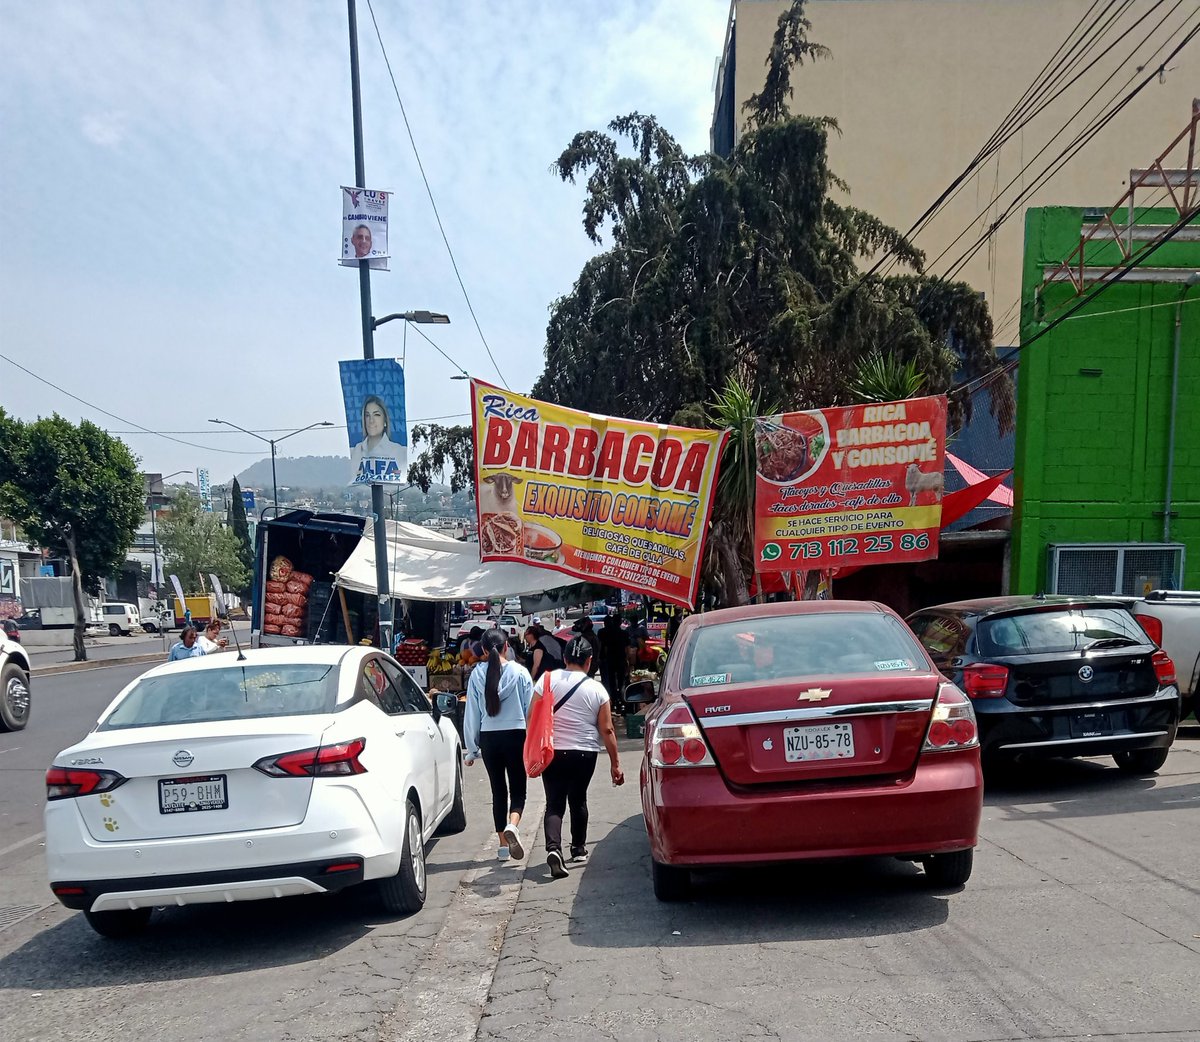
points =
(120, 618)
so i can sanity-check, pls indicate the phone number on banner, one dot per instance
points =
(903, 544)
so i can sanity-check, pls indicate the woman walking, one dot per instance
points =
(498, 697)
(582, 724)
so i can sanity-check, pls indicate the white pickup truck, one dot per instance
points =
(1172, 620)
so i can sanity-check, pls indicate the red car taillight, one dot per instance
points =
(322, 762)
(1152, 626)
(984, 680)
(953, 725)
(64, 783)
(677, 741)
(1164, 668)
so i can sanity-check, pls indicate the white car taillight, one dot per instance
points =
(677, 741)
(953, 725)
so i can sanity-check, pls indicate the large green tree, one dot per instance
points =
(76, 490)
(195, 543)
(240, 527)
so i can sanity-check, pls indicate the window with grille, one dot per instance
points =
(1131, 569)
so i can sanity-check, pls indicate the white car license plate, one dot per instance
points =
(818, 742)
(180, 795)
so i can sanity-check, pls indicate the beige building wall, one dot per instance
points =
(919, 85)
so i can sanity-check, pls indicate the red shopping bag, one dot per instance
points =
(539, 732)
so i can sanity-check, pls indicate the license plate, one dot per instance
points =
(818, 742)
(181, 795)
(1090, 725)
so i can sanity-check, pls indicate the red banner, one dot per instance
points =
(850, 486)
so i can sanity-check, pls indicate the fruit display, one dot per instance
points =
(441, 661)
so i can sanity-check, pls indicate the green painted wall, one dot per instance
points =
(1091, 450)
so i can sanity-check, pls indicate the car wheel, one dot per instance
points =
(149, 627)
(405, 891)
(123, 923)
(1141, 761)
(114, 630)
(456, 820)
(949, 869)
(14, 698)
(671, 883)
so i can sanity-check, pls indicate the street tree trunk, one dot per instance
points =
(77, 591)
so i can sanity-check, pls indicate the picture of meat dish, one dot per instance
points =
(782, 452)
(500, 534)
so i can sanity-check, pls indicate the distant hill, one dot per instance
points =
(307, 472)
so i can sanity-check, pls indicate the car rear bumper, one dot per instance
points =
(693, 818)
(1091, 729)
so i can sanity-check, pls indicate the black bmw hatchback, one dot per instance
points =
(1057, 676)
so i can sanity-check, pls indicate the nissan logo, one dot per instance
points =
(1085, 674)
(184, 759)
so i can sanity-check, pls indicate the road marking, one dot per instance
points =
(22, 843)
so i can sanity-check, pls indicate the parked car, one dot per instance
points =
(1171, 618)
(162, 619)
(279, 772)
(10, 629)
(812, 729)
(14, 685)
(1057, 676)
(120, 618)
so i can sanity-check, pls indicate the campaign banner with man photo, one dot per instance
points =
(616, 501)
(851, 486)
(373, 393)
(364, 227)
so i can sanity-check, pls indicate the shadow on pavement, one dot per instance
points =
(615, 906)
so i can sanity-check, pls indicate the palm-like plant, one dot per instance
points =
(885, 378)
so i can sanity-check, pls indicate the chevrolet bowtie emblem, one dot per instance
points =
(814, 694)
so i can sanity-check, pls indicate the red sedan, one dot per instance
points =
(813, 729)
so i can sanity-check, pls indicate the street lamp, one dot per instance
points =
(424, 318)
(273, 442)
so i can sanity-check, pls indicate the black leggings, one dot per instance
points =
(504, 754)
(566, 779)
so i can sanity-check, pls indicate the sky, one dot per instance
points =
(170, 205)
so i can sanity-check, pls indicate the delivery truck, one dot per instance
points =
(202, 606)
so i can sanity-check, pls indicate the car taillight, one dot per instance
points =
(1152, 626)
(677, 741)
(983, 680)
(1164, 668)
(64, 783)
(953, 725)
(322, 762)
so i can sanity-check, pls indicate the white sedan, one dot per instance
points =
(285, 771)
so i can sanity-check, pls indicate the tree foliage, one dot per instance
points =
(195, 543)
(240, 527)
(76, 490)
(450, 449)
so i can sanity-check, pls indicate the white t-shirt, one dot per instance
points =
(575, 723)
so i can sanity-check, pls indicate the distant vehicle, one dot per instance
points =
(1171, 618)
(120, 617)
(1057, 676)
(14, 685)
(512, 605)
(465, 627)
(160, 620)
(807, 730)
(202, 606)
(10, 629)
(300, 770)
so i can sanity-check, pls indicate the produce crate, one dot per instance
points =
(635, 725)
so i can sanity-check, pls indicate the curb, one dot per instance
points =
(80, 667)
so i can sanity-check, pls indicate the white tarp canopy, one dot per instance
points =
(424, 565)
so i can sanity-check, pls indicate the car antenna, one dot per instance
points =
(223, 613)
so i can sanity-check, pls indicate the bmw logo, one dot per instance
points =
(184, 759)
(1085, 674)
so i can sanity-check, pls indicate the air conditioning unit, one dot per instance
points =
(1127, 569)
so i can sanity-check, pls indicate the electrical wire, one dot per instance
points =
(425, 336)
(331, 427)
(432, 202)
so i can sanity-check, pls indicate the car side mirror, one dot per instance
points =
(445, 703)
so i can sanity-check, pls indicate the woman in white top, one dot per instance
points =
(582, 724)
(377, 442)
(211, 640)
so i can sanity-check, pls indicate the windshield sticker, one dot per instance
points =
(708, 679)
(893, 663)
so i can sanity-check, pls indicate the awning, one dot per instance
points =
(997, 492)
(424, 565)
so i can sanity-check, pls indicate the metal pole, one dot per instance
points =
(274, 483)
(364, 292)
(1167, 496)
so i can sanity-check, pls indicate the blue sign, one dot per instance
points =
(373, 393)
(248, 498)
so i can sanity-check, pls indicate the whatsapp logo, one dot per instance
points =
(771, 552)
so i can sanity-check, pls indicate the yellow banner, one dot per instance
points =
(610, 500)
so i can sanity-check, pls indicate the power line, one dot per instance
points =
(432, 202)
(331, 427)
(425, 336)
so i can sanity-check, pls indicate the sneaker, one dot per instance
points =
(558, 870)
(579, 856)
(502, 854)
(514, 842)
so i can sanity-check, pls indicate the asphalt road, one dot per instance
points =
(1082, 920)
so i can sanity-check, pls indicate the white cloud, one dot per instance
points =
(106, 129)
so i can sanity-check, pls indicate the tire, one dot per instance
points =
(1141, 761)
(456, 820)
(949, 869)
(114, 630)
(671, 883)
(14, 698)
(149, 627)
(119, 924)
(404, 892)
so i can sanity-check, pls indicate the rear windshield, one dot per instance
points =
(1045, 632)
(799, 646)
(229, 693)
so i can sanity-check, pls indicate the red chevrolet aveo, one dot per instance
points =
(813, 729)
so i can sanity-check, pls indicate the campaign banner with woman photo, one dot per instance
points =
(373, 392)
(851, 486)
(616, 501)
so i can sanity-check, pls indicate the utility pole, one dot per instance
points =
(368, 336)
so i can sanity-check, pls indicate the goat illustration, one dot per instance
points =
(916, 482)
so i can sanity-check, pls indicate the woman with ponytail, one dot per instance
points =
(498, 697)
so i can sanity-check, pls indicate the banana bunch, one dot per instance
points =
(440, 661)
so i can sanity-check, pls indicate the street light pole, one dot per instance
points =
(273, 442)
(151, 502)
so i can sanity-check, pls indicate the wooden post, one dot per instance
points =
(346, 616)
